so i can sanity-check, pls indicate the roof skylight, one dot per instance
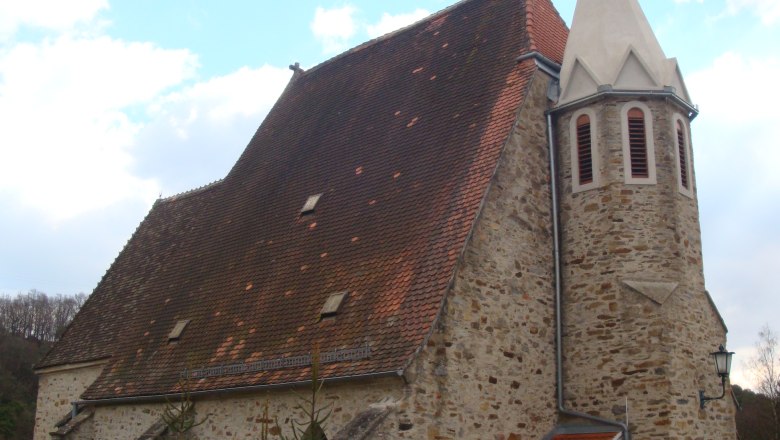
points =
(311, 203)
(333, 304)
(175, 334)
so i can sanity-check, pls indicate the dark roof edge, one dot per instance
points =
(474, 223)
(246, 389)
(99, 360)
(42, 363)
(387, 36)
(192, 192)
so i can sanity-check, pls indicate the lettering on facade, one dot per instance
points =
(328, 357)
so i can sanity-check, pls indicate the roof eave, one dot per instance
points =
(607, 90)
(150, 398)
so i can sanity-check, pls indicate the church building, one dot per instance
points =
(483, 225)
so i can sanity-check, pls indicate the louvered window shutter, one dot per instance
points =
(584, 151)
(683, 155)
(637, 140)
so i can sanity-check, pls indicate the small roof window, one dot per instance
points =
(311, 203)
(175, 334)
(333, 304)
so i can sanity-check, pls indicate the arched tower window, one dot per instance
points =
(584, 152)
(638, 145)
(683, 153)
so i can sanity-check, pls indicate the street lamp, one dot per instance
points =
(723, 366)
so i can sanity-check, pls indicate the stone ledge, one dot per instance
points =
(657, 291)
(69, 424)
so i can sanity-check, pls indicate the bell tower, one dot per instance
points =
(638, 324)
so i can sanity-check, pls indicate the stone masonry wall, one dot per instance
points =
(239, 416)
(638, 324)
(56, 391)
(488, 371)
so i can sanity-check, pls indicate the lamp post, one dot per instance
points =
(723, 367)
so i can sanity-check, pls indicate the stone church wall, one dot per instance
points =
(239, 416)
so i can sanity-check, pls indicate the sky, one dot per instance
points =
(106, 105)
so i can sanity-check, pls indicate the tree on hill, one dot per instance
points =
(754, 421)
(29, 324)
(759, 418)
(38, 316)
(766, 368)
(18, 385)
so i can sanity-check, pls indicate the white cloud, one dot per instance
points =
(740, 108)
(202, 129)
(741, 371)
(244, 93)
(334, 27)
(735, 139)
(389, 23)
(767, 10)
(94, 128)
(66, 132)
(47, 14)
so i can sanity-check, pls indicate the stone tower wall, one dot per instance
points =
(639, 325)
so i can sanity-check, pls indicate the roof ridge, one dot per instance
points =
(191, 192)
(387, 36)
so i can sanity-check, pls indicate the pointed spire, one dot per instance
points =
(611, 43)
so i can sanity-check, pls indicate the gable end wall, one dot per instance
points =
(488, 371)
(56, 390)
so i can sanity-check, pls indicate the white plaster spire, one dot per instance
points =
(611, 43)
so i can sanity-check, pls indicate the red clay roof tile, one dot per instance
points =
(403, 163)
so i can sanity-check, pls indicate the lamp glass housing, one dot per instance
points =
(723, 361)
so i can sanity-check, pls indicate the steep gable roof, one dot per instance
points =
(401, 137)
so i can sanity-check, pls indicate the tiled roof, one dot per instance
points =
(542, 17)
(401, 136)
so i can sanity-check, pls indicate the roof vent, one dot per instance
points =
(333, 304)
(175, 334)
(311, 203)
